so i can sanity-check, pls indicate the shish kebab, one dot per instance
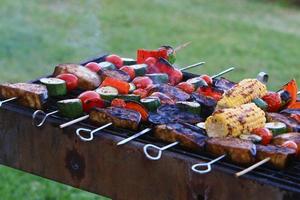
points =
(38, 112)
(239, 120)
(35, 95)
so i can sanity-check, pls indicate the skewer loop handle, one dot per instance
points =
(159, 150)
(207, 166)
(43, 115)
(90, 132)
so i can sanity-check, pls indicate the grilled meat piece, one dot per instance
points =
(175, 114)
(280, 156)
(291, 123)
(174, 93)
(188, 136)
(207, 104)
(238, 151)
(120, 117)
(29, 94)
(223, 84)
(115, 73)
(280, 139)
(87, 79)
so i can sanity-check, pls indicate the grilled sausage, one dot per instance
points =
(174, 93)
(120, 117)
(238, 151)
(280, 156)
(87, 79)
(30, 95)
(188, 136)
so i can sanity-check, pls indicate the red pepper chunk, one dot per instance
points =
(118, 103)
(143, 54)
(291, 87)
(210, 92)
(273, 100)
(139, 108)
(122, 86)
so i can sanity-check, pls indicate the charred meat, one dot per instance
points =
(87, 79)
(30, 95)
(280, 156)
(120, 117)
(188, 136)
(238, 151)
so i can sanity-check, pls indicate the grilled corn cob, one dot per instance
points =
(244, 92)
(235, 121)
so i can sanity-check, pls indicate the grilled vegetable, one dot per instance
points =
(210, 92)
(237, 150)
(132, 87)
(244, 92)
(285, 98)
(138, 108)
(280, 139)
(129, 61)
(107, 93)
(139, 69)
(70, 79)
(292, 89)
(197, 82)
(292, 124)
(265, 134)
(55, 86)
(175, 77)
(292, 145)
(120, 117)
(273, 100)
(164, 99)
(192, 107)
(122, 86)
(151, 65)
(158, 78)
(151, 103)
(115, 73)
(207, 79)
(207, 104)
(260, 103)
(118, 103)
(143, 54)
(29, 94)
(188, 136)
(93, 66)
(115, 59)
(142, 81)
(90, 99)
(276, 127)
(235, 121)
(223, 84)
(251, 137)
(170, 52)
(71, 108)
(87, 79)
(174, 93)
(129, 70)
(130, 97)
(106, 66)
(186, 87)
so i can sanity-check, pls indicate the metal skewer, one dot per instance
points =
(149, 129)
(90, 132)
(43, 115)
(182, 46)
(192, 66)
(147, 148)
(252, 167)
(207, 165)
(7, 100)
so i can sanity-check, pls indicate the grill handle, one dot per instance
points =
(207, 165)
(43, 115)
(159, 150)
(90, 132)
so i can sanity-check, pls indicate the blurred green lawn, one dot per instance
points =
(35, 35)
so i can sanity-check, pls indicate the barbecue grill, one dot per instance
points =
(123, 172)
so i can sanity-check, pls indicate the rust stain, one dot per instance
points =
(75, 163)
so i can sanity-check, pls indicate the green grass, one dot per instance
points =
(249, 34)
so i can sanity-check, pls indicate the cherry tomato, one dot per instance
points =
(291, 144)
(129, 70)
(93, 66)
(70, 79)
(87, 98)
(115, 59)
(273, 100)
(265, 134)
(186, 87)
(151, 61)
(207, 79)
(118, 103)
(151, 65)
(142, 81)
(141, 92)
(175, 77)
(88, 104)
